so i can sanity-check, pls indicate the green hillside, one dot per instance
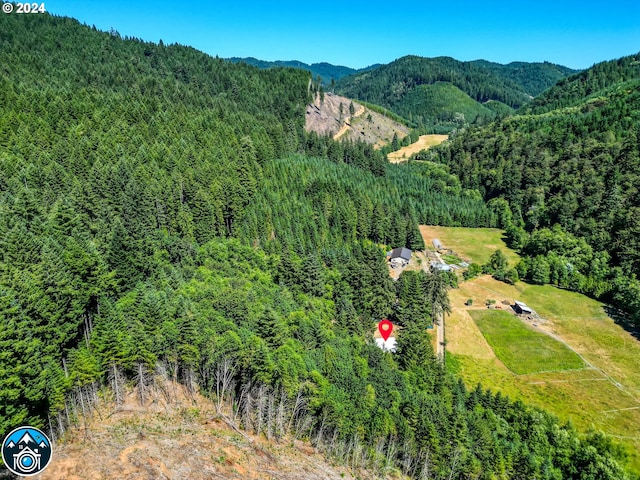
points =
(442, 103)
(568, 167)
(499, 108)
(164, 214)
(390, 85)
(533, 78)
(575, 89)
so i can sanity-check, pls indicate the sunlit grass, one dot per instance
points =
(606, 398)
(608, 402)
(423, 143)
(520, 348)
(471, 244)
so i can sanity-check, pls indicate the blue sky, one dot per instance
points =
(360, 33)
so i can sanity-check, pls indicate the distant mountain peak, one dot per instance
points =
(324, 70)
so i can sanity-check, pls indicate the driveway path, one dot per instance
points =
(440, 339)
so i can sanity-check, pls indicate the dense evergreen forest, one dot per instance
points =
(533, 78)
(443, 93)
(563, 174)
(163, 213)
(347, 205)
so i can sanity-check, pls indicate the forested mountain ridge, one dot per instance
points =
(141, 68)
(575, 89)
(348, 205)
(410, 71)
(533, 78)
(568, 167)
(403, 86)
(326, 71)
(112, 152)
(143, 238)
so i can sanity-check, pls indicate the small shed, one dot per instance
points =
(400, 256)
(437, 244)
(443, 267)
(520, 307)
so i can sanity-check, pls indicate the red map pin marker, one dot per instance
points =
(385, 327)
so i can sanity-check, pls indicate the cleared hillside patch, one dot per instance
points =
(324, 117)
(472, 244)
(164, 440)
(424, 142)
(520, 348)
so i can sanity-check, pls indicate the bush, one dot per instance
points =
(497, 263)
(473, 271)
(511, 276)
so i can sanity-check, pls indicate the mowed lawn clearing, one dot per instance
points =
(580, 321)
(584, 324)
(606, 397)
(520, 348)
(471, 244)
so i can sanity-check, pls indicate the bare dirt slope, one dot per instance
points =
(323, 117)
(182, 440)
(424, 143)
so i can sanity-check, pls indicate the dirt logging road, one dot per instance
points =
(345, 128)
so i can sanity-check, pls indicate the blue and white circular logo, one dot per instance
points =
(26, 451)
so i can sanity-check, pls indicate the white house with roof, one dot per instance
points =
(399, 256)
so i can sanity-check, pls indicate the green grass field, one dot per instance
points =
(520, 348)
(605, 398)
(472, 244)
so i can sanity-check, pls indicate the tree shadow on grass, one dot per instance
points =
(623, 320)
